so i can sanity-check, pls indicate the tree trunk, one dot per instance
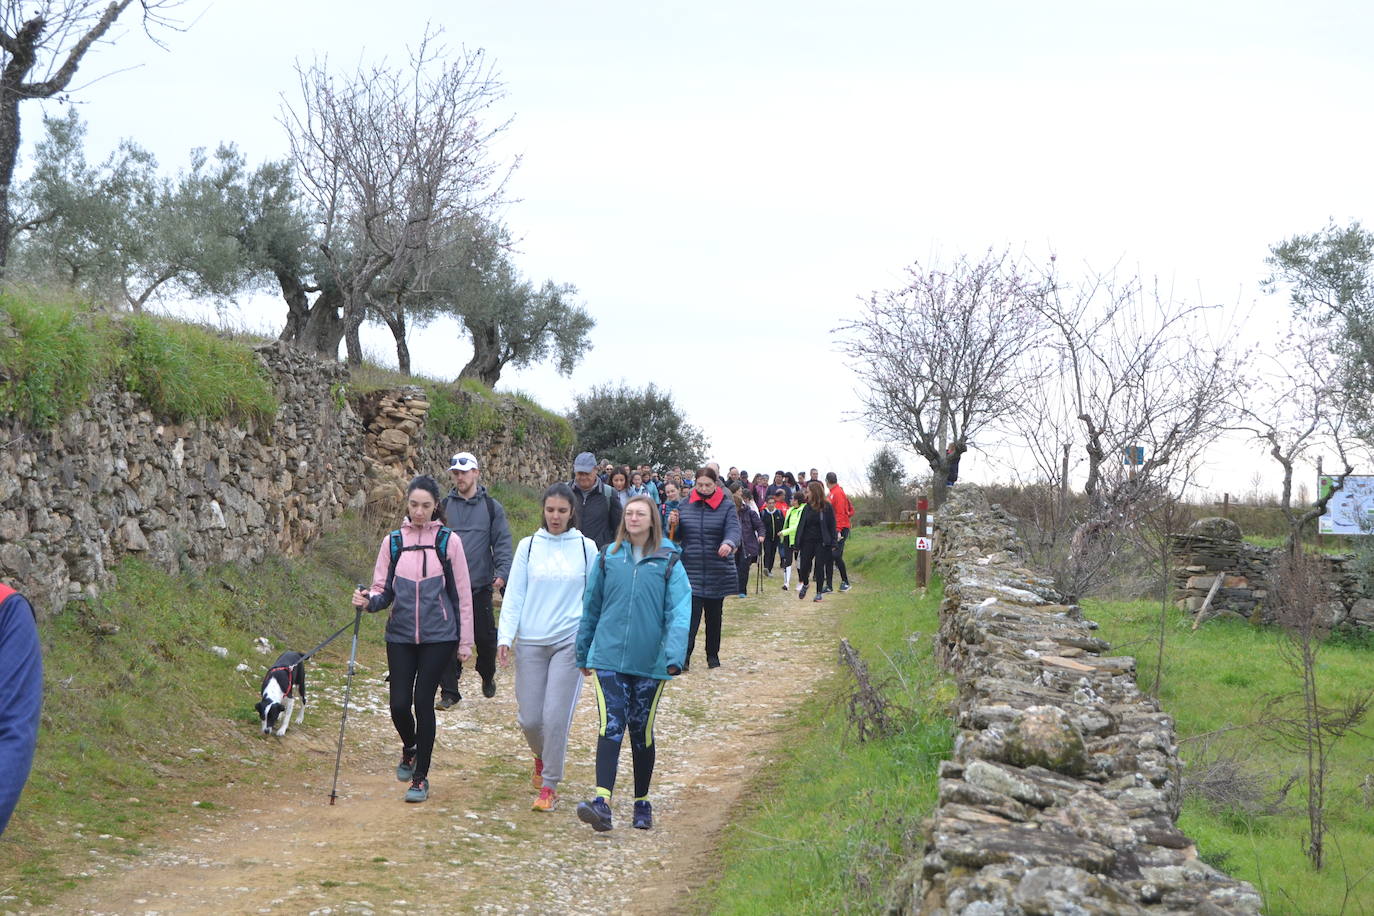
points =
(396, 321)
(315, 327)
(9, 153)
(486, 364)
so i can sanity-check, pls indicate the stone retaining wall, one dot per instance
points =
(1063, 792)
(113, 479)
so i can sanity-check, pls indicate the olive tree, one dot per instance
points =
(42, 45)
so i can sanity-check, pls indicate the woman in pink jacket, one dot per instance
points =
(422, 575)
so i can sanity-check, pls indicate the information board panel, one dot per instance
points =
(1351, 510)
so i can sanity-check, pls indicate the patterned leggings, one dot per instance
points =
(625, 701)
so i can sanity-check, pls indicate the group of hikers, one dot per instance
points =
(612, 588)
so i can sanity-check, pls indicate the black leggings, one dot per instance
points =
(710, 608)
(415, 670)
(815, 556)
(743, 564)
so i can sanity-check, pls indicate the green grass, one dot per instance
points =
(51, 355)
(829, 823)
(1332, 544)
(184, 371)
(1218, 678)
(54, 354)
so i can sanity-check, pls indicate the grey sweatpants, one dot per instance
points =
(547, 685)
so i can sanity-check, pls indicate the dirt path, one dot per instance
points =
(475, 846)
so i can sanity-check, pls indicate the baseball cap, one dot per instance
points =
(463, 461)
(585, 461)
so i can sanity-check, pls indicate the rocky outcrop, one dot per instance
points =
(113, 479)
(1062, 795)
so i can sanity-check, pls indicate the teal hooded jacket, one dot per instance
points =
(635, 613)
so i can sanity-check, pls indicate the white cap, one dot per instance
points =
(463, 461)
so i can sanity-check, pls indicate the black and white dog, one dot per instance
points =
(277, 701)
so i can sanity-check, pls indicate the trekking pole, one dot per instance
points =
(348, 694)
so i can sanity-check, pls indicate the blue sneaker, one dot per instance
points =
(844, 586)
(744, 594)
(418, 791)
(644, 816)
(406, 768)
(595, 812)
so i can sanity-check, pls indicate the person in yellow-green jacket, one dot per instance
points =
(789, 538)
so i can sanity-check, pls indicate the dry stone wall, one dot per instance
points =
(1062, 795)
(113, 479)
(1214, 546)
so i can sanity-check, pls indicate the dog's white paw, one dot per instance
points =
(281, 731)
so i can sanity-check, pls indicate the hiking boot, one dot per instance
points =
(538, 778)
(712, 662)
(802, 594)
(547, 800)
(644, 815)
(418, 791)
(447, 703)
(817, 598)
(405, 770)
(596, 812)
(488, 687)
(844, 586)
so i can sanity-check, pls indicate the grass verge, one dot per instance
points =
(1214, 682)
(828, 823)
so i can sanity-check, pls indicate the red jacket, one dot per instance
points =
(844, 509)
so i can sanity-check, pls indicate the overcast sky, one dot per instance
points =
(723, 181)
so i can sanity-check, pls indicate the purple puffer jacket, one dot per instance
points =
(751, 529)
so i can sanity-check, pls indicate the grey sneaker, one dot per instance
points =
(405, 770)
(844, 586)
(447, 703)
(418, 791)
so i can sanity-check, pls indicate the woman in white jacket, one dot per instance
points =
(541, 611)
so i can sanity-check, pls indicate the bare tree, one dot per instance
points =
(1294, 407)
(1300, 719)
(390, 160)
(942, 357)
(42, 44)
(1149, 386)
(1142, 372)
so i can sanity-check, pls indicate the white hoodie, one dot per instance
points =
(543, 601)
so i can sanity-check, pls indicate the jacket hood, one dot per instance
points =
(431, 525)
(543, 534)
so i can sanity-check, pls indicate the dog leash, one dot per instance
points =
(333, 636)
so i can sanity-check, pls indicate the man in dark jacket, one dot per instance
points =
(598, 511)
(480, 522)
(21, 696)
